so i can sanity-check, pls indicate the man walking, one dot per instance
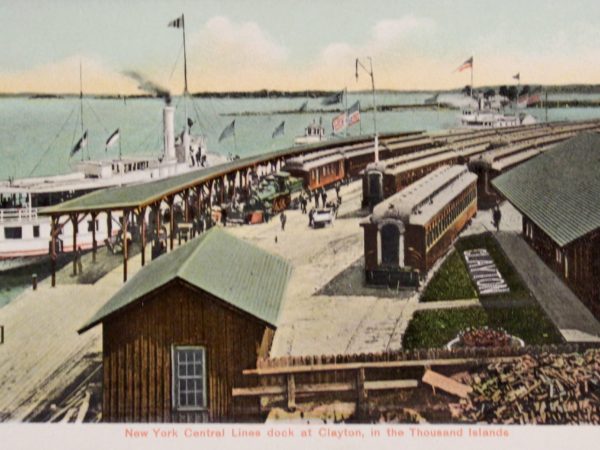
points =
(283, 219)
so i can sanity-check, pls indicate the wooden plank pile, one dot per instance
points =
(544, 389)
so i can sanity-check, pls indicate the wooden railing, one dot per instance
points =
(18, 214)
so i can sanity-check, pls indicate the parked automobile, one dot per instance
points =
(323, 217)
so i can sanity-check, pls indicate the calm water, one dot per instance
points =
(36, 135)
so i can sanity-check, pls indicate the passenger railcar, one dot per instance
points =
(408, 232)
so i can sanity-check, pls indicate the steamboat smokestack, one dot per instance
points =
(169, 132)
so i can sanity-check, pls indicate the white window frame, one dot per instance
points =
(176, 377)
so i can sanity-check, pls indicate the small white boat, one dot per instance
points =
(314, 132)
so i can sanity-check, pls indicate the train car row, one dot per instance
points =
(383, 179)
(323, 168)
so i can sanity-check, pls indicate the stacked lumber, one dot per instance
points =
(544, 389)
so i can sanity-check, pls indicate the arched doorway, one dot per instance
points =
(390, 245)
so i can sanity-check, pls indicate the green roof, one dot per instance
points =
(144, 194)
(248, 278)
(559, 190)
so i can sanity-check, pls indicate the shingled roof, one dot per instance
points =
(241, 274)
(559, 190)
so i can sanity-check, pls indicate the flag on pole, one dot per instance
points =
(81, 143)
(228, 131)
(279, 131)
(333, 99)
(303, 107)
(339, 122)
(177, 23)
(112, 140)
(354, 114)
(468, 64)
(517, 76)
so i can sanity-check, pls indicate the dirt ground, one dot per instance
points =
(326, 311)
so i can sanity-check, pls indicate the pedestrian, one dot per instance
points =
(79, 263)
(311, 216)
(302, 204)
(283, 220)
(497, 216)
(324, 197)
(309, 193)
(317, 199)
(337, 189)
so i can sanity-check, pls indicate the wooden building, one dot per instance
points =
(410, 230)
(558, 195)
(178, 335)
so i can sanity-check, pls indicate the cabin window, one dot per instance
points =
(91, 224)
(13, 233)
(189, 378)
(558, 256)
(36, 231)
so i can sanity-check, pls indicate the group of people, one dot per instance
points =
(320, 197)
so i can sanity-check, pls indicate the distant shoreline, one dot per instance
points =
(265, 93)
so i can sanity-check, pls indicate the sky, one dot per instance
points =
(295, 45)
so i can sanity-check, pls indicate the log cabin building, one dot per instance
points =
(178, 335)
(409, 231)
(558, 195)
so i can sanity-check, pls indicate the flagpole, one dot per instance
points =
(472, 63)
(81, 103)
(346, 109)
(234, 141)
(185, 89)
(370, 72)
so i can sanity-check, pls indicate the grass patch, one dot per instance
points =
(510, 275)
(451, 282)
(435, 328)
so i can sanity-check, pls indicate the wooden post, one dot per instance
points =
(94, 243)
(199, 190)
(156, 208)
(53, 233)
(142, 217)
(361, 399)
(124, 234)
(74, 218)
(223, 181)
(186, 208)
(291, 392)
(170, 202)
(109, 223)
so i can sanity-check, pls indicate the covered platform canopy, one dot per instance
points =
(133, 200)
(140, 195)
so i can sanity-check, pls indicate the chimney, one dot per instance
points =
(169, 132)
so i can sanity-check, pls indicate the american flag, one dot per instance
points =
(354, 114)
(339, 122)
(468, 64)
(517, 76)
